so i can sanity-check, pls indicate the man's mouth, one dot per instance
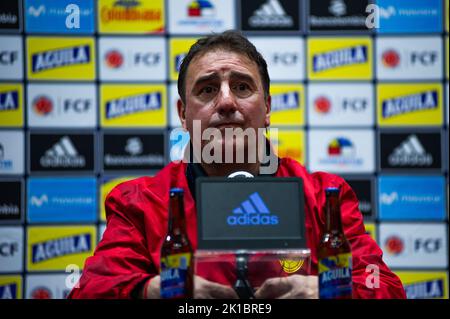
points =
(221, 126)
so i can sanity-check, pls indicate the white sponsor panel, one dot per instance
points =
(342, 151)
(411, 245)
(11, 249)
(173, 98)
(62, 105)
(11, 152)
(418, 58)
(284, 56)
(201, 17)
(132, 59)
(336, 104)
(11, 58)
(54, 286)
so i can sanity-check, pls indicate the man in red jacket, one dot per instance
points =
(223, 83)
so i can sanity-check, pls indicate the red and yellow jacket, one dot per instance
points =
(137, 213)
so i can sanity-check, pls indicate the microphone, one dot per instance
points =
(241, 174)
(242, 286)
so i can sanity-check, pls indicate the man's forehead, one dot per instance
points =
(221, 59)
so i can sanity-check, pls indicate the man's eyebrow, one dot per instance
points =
(206, 78)
(243, 76)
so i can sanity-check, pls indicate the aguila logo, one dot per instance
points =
(394, 245)
(390, 59)
(114, 59)
(322, 105)
(42, 105)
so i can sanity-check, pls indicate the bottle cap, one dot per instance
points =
(177, 190)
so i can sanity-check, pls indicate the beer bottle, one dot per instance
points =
(334, 253)
(176, 253)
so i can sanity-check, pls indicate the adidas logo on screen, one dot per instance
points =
(63, 154)
(410, 152)
(252, 212)
(271, 14)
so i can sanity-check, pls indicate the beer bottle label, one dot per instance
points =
(174, 272)
(335, 276)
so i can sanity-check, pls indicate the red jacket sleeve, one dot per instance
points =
(371, 277)
(121, 260)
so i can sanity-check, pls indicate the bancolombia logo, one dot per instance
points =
(60, 247)
(48, 60)
(133, 104)
(252, 212)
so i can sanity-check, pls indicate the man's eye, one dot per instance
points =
(243, 87)
(242, 90)
(208, 90)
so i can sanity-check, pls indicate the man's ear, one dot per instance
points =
(181, 108)
(268, 109)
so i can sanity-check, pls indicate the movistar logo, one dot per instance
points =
(410, 103)
(47, 60)
(338, 58)
(252, 212)
(286, 101)
(133, 104)
(60, 247)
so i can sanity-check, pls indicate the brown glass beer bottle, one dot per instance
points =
(334, 253)
(176, 253)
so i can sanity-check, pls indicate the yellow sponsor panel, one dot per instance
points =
(58, 58)
(179, 47)
(371, 230)
(11, 105)
(418, 104)
(105, 189)
(10, 287)
(138, 17)
(138, 105)
(289, 143)
(331, 58)
(56, 247)
(288, 105)
(424, 284)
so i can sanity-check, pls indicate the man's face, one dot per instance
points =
(224, 90)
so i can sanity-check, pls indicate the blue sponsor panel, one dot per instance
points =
(412, 16)
(62, 16)
(56, 200)
(411, 198)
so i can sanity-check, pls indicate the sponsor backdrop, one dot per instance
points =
(88, 95)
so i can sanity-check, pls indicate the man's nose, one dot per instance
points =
(226, 102)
